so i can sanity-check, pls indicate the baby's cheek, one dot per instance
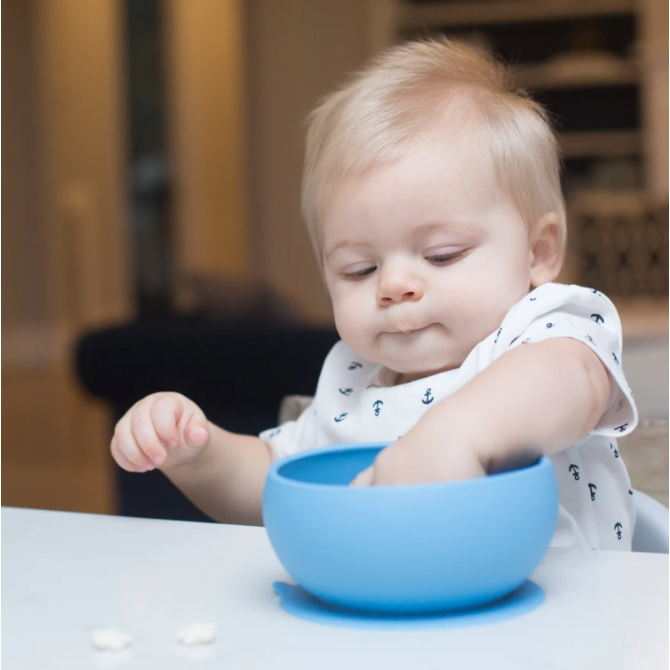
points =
(353, 324)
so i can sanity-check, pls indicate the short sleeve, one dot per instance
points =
(557, 310)
(287, 439)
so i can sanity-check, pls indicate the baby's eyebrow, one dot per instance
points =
(450, 226)
(419, 229)
(345, 244)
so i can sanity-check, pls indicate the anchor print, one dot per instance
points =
(618, 528)
(597, 318)
(345, 391)
(590, 339)
(574, 469)
(630, 491)
(526, 341)
(616, 453)
(550, 325)
(514, 340)
(355, 364)
(377, 404)
(497, 336)
(274, 433)
(622, 427)
(616, 360)
(341, 417)
(532, 299)
(593, 488)
(428, 397)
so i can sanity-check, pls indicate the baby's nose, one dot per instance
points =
(397, 288)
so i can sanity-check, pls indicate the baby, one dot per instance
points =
(432, 195)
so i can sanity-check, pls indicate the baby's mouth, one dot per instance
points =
(408, 330)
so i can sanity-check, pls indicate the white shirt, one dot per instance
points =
(356, 402)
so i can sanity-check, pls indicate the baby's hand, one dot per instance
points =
(421, 458)
(160, 430)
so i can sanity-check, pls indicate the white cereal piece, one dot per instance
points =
(111, 639)
(197, 633)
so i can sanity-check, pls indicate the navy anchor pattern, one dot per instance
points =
(384, 406)
(354, 365)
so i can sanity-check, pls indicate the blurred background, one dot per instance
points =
(152, 237)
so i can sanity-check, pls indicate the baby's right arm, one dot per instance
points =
(220, 472)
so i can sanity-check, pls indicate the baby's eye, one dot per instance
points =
(444, 259)
(359, 274)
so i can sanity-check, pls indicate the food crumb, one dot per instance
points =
(197, 633)
(111, 639)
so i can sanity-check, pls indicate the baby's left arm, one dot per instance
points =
(535, 399)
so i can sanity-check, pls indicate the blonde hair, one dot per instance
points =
(400, 99)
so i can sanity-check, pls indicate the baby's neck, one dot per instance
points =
(397, 378)
(406, 378)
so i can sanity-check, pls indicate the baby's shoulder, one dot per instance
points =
(569, 298)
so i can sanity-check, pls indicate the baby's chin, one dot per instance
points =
(417, 359)
(409, 369)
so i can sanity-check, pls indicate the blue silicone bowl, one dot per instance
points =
(414, 549)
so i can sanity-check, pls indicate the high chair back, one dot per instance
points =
(651, 528)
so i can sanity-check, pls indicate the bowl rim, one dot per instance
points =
(274, 474)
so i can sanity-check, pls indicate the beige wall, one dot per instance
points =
(81, 122)
(65, 243)
(298, 51)
(653, 55)
(207, 135)
(24, 299)
(65, 252)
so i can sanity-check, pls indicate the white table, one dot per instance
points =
(65, 574)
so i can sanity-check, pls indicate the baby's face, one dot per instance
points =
(423, 258)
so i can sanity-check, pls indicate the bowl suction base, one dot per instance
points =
(300, 603)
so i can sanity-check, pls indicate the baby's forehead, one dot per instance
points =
(448, 173)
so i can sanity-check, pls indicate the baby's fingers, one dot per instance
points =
(126, 451)
(145, 435)
(365, 478)
(166, 411)
(196, 432)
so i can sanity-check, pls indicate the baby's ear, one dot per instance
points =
(546, 249)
